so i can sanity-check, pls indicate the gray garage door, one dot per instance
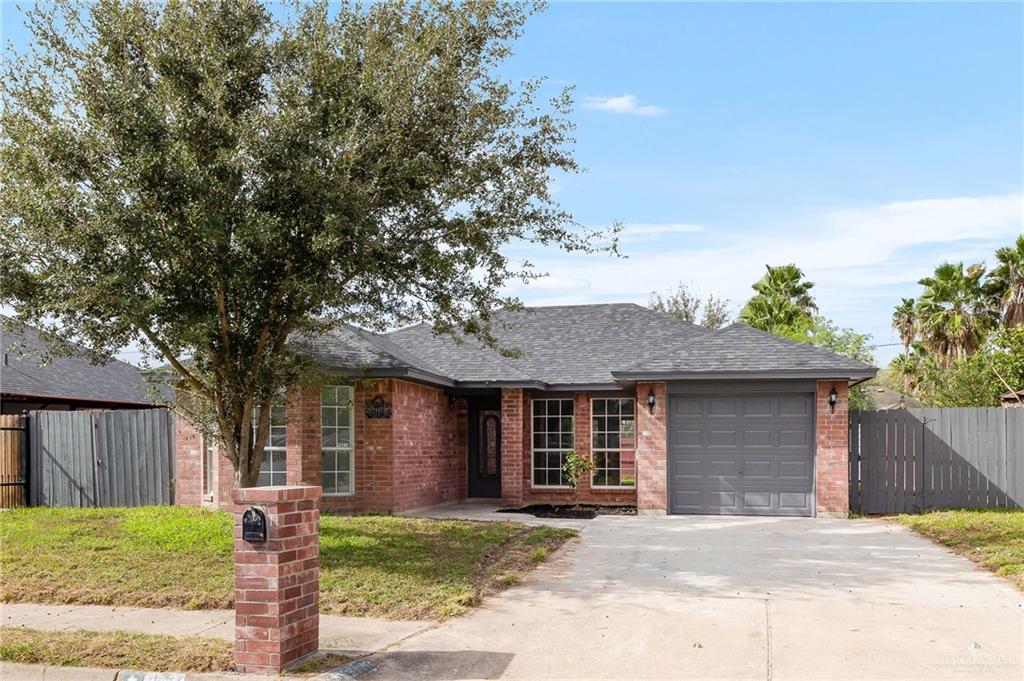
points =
(741, 454)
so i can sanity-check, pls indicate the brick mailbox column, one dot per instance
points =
(277, 582)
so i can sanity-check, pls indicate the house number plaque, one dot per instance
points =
(254, 525)
(377, 408)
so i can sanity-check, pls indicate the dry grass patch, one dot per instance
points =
(166, 556)
(116, 650)
(993, 539)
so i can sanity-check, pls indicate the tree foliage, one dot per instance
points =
(1006, 282)
(953, 314)
(960, 336)
(782, 301)
(216, 184)
(711, 312)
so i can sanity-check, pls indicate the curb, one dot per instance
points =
(14, 671)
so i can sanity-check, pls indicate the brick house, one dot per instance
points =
(677, 418)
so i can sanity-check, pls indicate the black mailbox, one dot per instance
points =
(254, 525)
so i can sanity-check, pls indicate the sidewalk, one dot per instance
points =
(350, 635)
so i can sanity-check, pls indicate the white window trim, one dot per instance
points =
(351, 450)
(271, 449)
(209, 468)
(594, 450)
(533, 449)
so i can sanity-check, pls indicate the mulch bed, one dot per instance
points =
(575, 511)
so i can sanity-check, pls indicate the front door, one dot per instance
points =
(484, 445)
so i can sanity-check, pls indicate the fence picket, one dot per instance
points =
(918, 459)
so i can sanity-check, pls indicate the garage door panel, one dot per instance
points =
(796, 405)
(794, 438)
(795, 470)
(756, 438)
(756, 406)
(754, 469)
(742, 454)
(686, 438)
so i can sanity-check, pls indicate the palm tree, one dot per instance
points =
(1006, 282)
(904, 320)
(782, 301)
(954, 313)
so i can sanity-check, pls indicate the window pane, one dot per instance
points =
(328, 463)
(598, 407)
(540, 407)
(328, 437)
(328, 417)
(329, 482)
(344, 436)
(344, 483)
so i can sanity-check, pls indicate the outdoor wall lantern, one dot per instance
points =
(833, 397)
(651, 400)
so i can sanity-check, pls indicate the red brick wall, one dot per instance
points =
(652, 449)
(428, 468)
(831, 455)
(303, 450)
(513, 444)
(188, 463)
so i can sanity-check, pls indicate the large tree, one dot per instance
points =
(711, 312)
(217, 183)
(954, 313)
(904, 321)
(1006, 282)
(782, 301)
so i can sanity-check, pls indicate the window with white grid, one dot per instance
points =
(553, 436)
(337, 428)
(274, 467)
(613, 441)
(209, 457)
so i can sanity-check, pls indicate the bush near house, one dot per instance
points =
(166, 556)
(994, 539)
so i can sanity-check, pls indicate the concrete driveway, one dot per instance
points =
(752, 598)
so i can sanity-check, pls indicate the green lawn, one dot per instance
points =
(166, 556)
(116, 650)
(993, 539)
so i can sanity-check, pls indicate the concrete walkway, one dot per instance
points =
(749, 598)
(489, 511)
(352, 635)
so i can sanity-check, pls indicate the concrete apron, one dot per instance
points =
(701, 597)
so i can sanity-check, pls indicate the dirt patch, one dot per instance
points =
(575, 511)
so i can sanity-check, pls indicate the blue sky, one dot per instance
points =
(864, 142)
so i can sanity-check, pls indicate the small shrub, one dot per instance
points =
(539, 555)
(509, 579)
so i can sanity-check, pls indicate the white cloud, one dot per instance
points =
(862, 259)
(623, 104)
(639, 231)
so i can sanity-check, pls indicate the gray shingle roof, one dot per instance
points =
(578, 345)
(351, 348)
(63, 377)
(562, 345)
(739, 348)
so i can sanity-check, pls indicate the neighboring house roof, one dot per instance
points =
(883, 397)
(741, 351)
(1015, 396)
(582, 345)
(63, 378)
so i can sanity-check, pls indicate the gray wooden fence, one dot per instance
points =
(911, 460)
(100, 458)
